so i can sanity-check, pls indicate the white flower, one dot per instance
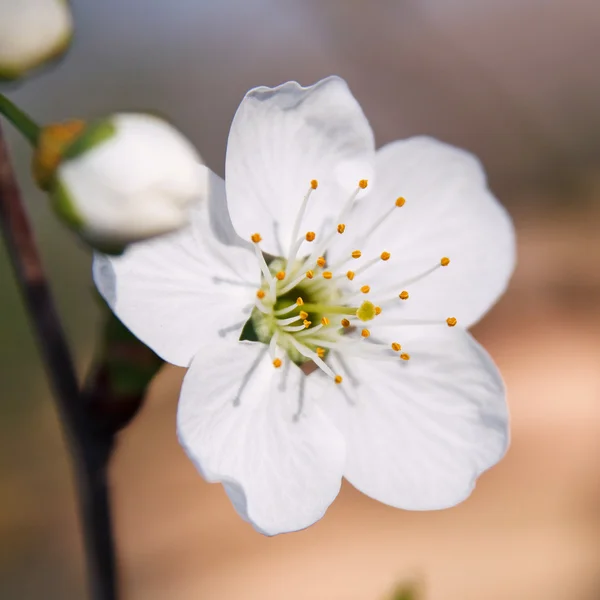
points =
(32, 32)
(420, 409)
(127, 178)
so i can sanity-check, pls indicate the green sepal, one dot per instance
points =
(64, 207)
(95, 133)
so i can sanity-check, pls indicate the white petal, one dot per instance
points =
(178, 291)
(448, 212)
(419, 432)
(237, 423)
(280, 140)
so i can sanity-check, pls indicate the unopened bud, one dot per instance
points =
(32, 32)
(119, 180)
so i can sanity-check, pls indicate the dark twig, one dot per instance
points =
(90, 443)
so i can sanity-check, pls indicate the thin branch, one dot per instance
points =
(90, 444)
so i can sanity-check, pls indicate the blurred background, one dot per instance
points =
(515, 81)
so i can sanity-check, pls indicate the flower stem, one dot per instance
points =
(22, 122)
(90, 444)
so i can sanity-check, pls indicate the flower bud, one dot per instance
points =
(32, 32)
(119, 180)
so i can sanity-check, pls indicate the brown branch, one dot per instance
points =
(90, 444)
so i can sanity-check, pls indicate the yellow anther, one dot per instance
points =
(310, 274)
(400, 202)
(365, 333)
(255, 237)
(303, 314)
(345, 323)
(314, 184)
(341, 228)
(324, 321)
(299, 301)
(445, 261)
(403, 295)
(338, 379)
(385, 256)
(365, 289)
(310, 236)
(405, 356)
(451, 321)
(327, 274)
(277, 363)
(366, 311)
(363, 183)
(321, 261)
(280, 275)
(377, 310)
(396, 347)
(356, 254)
(260, 294)
(307, 323)
(350, 275)
(320, 352)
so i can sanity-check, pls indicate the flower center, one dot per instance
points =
(311, 312)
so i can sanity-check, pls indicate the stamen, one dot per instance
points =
(451, 321)
(273, 347)
(385, 256)
(303, 314)
(307, 323)
(320, 352)
(294, 329)
(308, 331)
(261, 259)
(445, 261)
(256, 238)
(341, 228)
(299, 301)
(321, 261)
(396, 347)
(365, 289)
(310, 236)
(365, 333)
(403, 295)
(363, 183)
(310, 274)
(263, 309)
(296, 229)
(260, 294)
(288, 321)
(356, 254)
(338, 379)
(327, 274)
(277, 363)
(350, 275)
(287, 309)
(345, 323)
(405, 356)
(292, 284)
(325, 321)
(281, 275)
(377, 310)
(400, 202)
(308, 353)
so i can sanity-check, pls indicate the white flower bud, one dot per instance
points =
(31, 33)
(127, 178)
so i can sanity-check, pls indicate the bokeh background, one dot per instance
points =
(515, 81)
